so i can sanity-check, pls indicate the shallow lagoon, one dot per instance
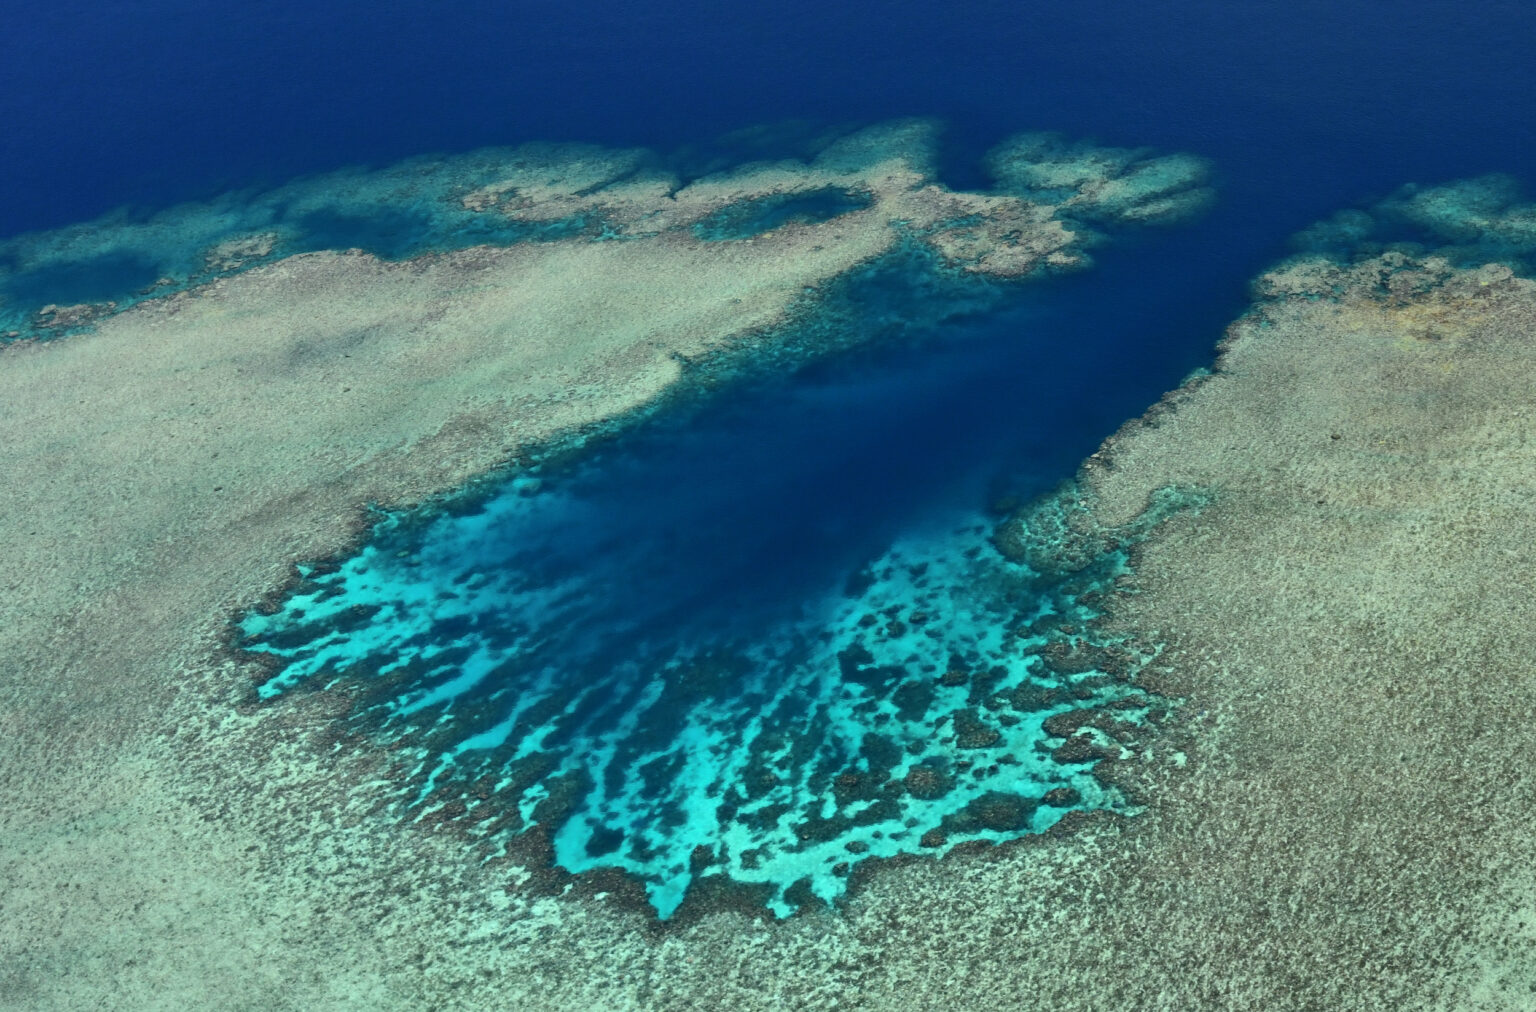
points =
(703, 624)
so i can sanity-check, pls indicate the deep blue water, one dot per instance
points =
(1306, 105)
(1304, 108)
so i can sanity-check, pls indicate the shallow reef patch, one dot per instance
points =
(947, 693)
(854, 184)
(1466, 223)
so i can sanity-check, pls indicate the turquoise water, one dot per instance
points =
(108, 277)
(925, 702)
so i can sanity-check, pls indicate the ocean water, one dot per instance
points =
(1307, 106)
(696, 587)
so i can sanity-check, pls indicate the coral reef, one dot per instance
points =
(1466, 223)
(221, 409)
(779, 760)
(880, 178)
(1103, 184)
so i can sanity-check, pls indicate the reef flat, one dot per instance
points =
(172, 451)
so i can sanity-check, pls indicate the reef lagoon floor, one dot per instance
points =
(1237, 718)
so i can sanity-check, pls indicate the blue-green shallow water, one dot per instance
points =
(766, 638)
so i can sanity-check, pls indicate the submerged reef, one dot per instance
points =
(1467, 223)
(857, 195)
(1105, 184)
(947, 694)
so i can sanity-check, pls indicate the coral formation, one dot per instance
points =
(859, 192)
(470, 658)
(1098, 183)
(1468, 223)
